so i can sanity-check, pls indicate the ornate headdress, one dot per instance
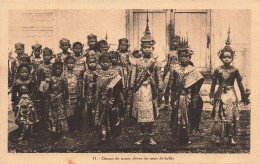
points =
(37, 46)
(19, 44)
(46, 49)
(114, 53)
(227, 48)
(64, 40)
(24, 56)
(176, 38)
(147, 38)
(123, 40)
(102, 43)
(92, 37)
(184, 47)
(77, 43)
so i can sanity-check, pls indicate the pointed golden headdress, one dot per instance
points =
(227, 47)
(147, 38)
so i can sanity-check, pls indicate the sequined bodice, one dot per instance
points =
(72, 81)
(57, 84)
(80, 63)
(47, 69)
(227, 74)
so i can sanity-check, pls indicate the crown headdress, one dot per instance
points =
(184, 46)
(19, 44)
(227, 47)
(64, 40)
(37, 46)
(147, 38)
(46, 49)
(123, 40)
(92, 37)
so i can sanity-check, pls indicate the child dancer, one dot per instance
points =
(23, 96)
(146, 83)
(64, 46)
(172, 60)
(185, 84)
(124, 62)
(74, 91)
(109, 89)
(59, 99)
(90, 93)
(43, 74)
(225, 102)
(79, 69)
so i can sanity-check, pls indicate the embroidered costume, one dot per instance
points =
(186, 82)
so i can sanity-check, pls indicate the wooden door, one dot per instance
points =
(196, 27)
(157, 26)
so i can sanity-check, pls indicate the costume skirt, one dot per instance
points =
(225, 113)
(143, 103)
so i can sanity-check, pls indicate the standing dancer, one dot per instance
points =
(224, 100)
(146, 86)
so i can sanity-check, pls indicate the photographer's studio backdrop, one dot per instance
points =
(206, 31)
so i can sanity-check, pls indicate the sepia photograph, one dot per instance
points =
(129, 81)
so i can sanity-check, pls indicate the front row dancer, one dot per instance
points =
(225, 102)
(185, 83)
(146, 86)
(109, 94)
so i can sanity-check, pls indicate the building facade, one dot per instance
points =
(205, 29)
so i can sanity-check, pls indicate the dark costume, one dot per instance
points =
(126, 69)
(225, 108)
(59, 95)
(36, 61)
(94, 48)
(172, 61)
(90, 95)
(23, 96)
(15, 63)
(109, 100)
(225, 105)
(43, 74)
(80, 68)
(74, 95)
(186, 82)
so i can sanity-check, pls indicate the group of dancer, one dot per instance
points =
(95, 89)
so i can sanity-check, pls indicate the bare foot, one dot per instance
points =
(139, 142)
(232, 142)
(151, 141)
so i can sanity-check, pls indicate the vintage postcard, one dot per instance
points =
(129, 82)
